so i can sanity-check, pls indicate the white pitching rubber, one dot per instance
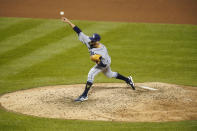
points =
(148, 88)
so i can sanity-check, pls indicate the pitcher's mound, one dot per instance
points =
(107, 101)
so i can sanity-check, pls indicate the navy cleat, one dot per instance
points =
(81, 98)
(131, 83)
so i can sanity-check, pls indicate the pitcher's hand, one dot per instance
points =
(64, 19)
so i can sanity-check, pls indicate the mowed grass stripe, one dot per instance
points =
(48, 51)
(6, 22)
(27, 36)
(35, 44)
(145, 56)
(18, 28)
(29, 47)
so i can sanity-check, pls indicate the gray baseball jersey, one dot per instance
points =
(106, 59)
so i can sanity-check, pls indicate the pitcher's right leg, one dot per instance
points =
(109, 73)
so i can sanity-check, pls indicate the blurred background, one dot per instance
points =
(155, 11)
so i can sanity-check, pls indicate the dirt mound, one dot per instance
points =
(107, 101)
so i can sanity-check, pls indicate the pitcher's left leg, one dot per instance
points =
(92, 73)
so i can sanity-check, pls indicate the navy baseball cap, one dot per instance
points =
(95, 37)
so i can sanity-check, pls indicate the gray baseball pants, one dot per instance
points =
(97, 69)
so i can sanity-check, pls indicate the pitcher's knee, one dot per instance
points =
(111, 74)
(90, 78)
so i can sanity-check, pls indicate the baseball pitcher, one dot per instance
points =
(99, 55)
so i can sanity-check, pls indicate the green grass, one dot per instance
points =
(40, 52)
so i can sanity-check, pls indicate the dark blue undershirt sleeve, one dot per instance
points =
(77, 30)
(101, 63)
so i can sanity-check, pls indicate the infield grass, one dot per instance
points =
(41, 52)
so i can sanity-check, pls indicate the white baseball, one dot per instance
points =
(61, 12)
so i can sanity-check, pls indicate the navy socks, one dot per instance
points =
(121, 77)
(87, 88)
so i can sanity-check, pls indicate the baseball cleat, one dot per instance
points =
(131, 83)
(81, 98)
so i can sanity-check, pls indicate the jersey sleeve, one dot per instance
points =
(84, 39)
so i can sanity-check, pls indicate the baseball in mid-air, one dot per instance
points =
(61, 12)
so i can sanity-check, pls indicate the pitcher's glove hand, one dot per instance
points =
(97, 58)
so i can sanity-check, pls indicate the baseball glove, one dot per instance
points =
(95, 58)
